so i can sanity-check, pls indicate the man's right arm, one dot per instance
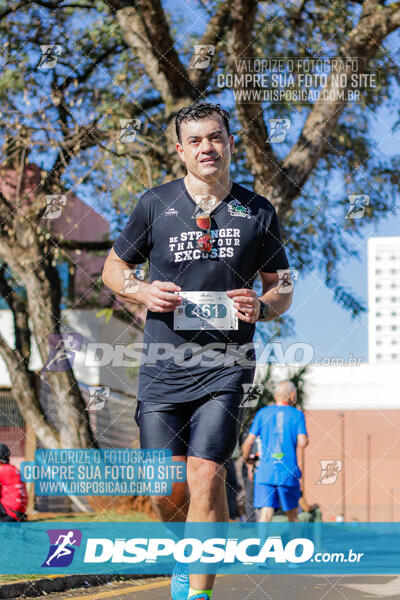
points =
(158, 296)
(246, 448)
(302, 440)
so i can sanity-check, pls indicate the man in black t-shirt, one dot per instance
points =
(206, 238)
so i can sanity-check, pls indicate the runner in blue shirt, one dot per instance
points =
(282, 429)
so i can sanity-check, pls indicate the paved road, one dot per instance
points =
(253, 587)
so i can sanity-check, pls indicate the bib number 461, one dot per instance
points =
(205, 311)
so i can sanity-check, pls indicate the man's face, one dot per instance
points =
(206, 148)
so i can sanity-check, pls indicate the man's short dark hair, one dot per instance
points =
(200, 110)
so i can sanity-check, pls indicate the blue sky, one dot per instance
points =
(319, 320)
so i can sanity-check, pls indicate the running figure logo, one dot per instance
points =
(252, 393)
(62, 547)
(358, 204)
(287, 277)
(55, 205)
(62, 351)
(48, 59)
(330, 470)
(278, 129)
(202, 56)
(97, 397)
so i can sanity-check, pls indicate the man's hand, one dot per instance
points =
(247, 304)
(158, 296)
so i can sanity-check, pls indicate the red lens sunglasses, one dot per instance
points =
(204, 243)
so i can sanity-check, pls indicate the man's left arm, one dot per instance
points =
(276, 297)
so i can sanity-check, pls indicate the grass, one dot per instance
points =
(13, 578)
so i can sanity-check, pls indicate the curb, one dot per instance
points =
(60, 583)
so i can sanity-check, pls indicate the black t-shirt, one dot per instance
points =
(163, 230)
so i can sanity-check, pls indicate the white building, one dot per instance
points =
(384, 300)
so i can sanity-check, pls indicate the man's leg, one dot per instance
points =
(164, 426)
(208, 503)
(174, 507)
(292, 515)
(266, 514)
(214, 431)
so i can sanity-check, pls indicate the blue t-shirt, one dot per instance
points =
(246, 239)
(278, 428)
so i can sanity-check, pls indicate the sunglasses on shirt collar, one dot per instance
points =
(203, 221)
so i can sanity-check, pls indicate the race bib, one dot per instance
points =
(205, 310)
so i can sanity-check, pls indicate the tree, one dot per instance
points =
(126, 60)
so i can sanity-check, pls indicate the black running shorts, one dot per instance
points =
(207, 428)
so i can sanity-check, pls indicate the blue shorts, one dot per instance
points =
(275, 496)
(207, 428)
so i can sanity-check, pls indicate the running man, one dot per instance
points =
(210, 236)
(63, 541)
(282, 429)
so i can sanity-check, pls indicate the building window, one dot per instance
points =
(393, 327)
(378, 327)
(379, 356)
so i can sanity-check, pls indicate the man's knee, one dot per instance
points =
(205, 477)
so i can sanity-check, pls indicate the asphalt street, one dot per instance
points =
(253, 587)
